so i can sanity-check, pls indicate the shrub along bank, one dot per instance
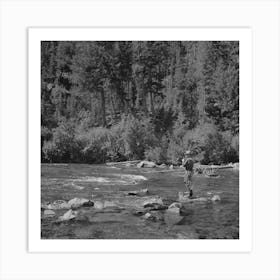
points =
(135, 138)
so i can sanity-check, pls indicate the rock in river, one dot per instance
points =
(174, 210)
(69, 215)
(152, 200)
(145, 163)
(78, 202)
(175, 205)
(154, 203)
(56, 205)
(49, 213)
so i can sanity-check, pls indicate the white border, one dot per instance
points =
(243, 35)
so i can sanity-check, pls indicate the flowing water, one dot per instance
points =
(211, 220)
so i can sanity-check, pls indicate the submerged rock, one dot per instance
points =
(49, 213)
(69, 215)
(78, 202)
(147, 164)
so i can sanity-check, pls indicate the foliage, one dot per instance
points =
(63, 147)
(94, 143)
(120, 100)
(158, 154)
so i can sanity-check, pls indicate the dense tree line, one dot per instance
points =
(118, 100)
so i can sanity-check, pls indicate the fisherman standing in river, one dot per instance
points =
(188, 163)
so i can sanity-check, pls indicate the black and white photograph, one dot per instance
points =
(139, 139)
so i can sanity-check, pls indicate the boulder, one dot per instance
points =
(175, 205)
(49, 213)
(173, 210)
(79, 202)
(154, 203)
(171, 167)
(148, 216)
(146, 164)
(88, 204)
(69, 215)
(162, 165)
(58, 204)
(152, 200)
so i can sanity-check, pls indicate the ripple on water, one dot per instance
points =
(120, 179)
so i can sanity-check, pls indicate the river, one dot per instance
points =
(214, 220)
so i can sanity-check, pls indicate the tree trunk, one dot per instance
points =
(151, 97)
(103, 107)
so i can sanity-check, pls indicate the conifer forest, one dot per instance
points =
(104, 101)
